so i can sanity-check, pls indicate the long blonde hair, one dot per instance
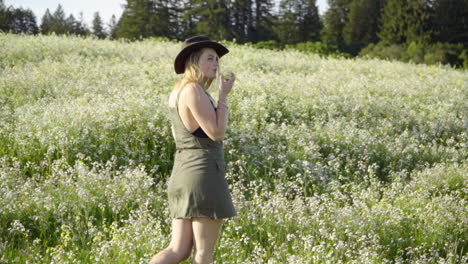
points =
(193, 73)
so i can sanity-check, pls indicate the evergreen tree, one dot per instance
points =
(286, 27)
(185, 20)
(405, 21)
(5, 15)
(23, 21)
(58, 21)
(136, 19)
(242, 20)
(363, 23)
(211, 18)
(70, 24)
(262, 28)
(418, 21)
(298, 21)
(309, 23)
(98, 28)
(112, 27)
(79, 27)
(163, 19)
(46, 24)
(450, 21)
(335, 20)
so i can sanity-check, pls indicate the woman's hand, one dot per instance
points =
(225, 86)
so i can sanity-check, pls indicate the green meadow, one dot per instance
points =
(329, 160)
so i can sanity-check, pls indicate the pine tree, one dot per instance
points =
(298, 21)
(135, 22)
(418, 21)
(263, 21)
(450, 21)
(58, 21)
(112, 27)
(393, 29)
(98, 28)
(335, 20)
(79, 27)
(241, 12)
(210, 17)
(287, 29)
(363, 23)
(46, 24)
(70, 24)
(23, 21)
(310, 25)
(405, 21)
(5, 16)
(163, 19)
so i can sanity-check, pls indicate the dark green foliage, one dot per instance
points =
(334, 22)
(77, 27)
(98, 28)
(417, 52)
(270, 44)
(450, 21)
(135, 20)
(363, 24)
(263, 21)
(4, 17)
(22, 21)
(298, 21)
(46, 25)
(17, 20)
(405, 21)
(58, 23)
(147, 18)
(242, 20)
(318, 48)
(393, 29)
(113, 27)
(211, 18)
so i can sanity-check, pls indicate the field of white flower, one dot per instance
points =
(329, 160)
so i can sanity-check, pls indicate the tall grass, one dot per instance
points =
(329, 160)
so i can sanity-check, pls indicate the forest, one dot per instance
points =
(420, 31)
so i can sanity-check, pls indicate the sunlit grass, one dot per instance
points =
(329, 160)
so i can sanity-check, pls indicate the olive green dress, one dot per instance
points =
(197, 186)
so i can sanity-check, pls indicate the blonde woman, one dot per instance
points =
(198, 193)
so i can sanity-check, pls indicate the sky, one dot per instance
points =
(106, 8)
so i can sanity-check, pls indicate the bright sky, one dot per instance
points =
(106, 8)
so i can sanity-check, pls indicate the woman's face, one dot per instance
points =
(209, 63)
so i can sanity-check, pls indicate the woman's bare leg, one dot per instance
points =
(205, 235)
(181, 244)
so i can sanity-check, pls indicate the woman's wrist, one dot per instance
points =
(222, 98)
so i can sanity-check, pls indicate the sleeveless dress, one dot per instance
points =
(197, 186)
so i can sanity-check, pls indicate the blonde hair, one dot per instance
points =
(193, 73)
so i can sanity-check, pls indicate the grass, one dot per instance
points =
(329, 160)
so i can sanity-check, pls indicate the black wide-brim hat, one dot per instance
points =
(193, 44)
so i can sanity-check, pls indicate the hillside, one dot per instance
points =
(329, 160)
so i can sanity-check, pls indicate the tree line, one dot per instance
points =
(19, 20)
(387, 28)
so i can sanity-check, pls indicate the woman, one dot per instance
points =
(198, 193)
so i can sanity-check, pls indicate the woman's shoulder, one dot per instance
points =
(191, 89)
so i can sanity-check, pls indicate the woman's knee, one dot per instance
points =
(203, 256)
(171, 255)
(181, 254)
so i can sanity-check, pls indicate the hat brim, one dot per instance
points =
(179, 64)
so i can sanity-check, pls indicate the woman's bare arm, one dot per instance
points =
(214, 123)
